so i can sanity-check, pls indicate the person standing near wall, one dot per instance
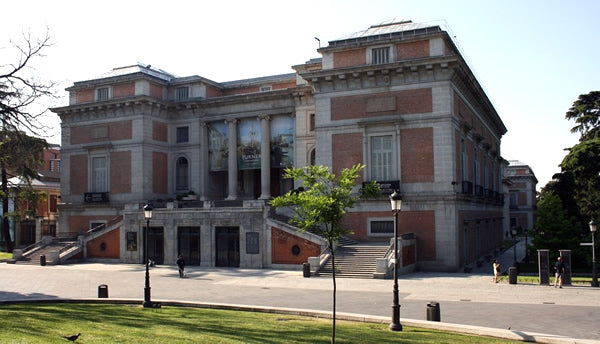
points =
(181, 264)
(496, 267)
(559, 269)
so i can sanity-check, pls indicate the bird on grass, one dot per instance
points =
(72, 338)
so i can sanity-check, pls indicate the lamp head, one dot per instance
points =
(396, 201)
(148, 211)
(593, 226)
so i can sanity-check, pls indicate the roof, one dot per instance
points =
(138, 68)
(387, 31)
(35, 183)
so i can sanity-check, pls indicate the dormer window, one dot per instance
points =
(380, 55)
(266, 88)
(183, 93)
(102, 94)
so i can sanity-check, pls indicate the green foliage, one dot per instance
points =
(321, 202)
(586, 113)
(107, 323)
(370, 190)
(583, 161)
(556, 230)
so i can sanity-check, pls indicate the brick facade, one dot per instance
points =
(290, 249)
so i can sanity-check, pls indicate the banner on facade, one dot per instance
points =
(282, 141)
(217, 145)
(249, 137)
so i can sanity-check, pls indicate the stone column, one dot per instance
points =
(265, 158)
(232, 171)
(204, 161)
(38, 229)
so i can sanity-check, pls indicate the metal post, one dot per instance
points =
(395, 325)
(147, 303)
(594, 276)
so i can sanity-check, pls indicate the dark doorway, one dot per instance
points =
(188, 244)
(227, 246)
(156, 245)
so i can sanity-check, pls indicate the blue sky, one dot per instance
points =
(533, 57)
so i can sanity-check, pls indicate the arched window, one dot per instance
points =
(182, 174)
(312, 156)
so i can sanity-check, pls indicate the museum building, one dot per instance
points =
(209, 155)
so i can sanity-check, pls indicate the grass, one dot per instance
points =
(109, 323)
(5, 255)
(535, 279)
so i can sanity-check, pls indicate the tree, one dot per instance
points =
(554, 229)
(21, 92)
(320, 204)
(586, 113)
(22, 156)
(583, 162)
(21, 89)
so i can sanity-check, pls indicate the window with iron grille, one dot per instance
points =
(382, 227)
(380, 55)
(381, 157)
(102, 94)
(99, 174)
(182, 134)
(181, 174)
(182, 93)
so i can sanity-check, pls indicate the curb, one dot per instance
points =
(433, 325)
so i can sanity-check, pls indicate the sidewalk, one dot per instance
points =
(506, 259)
(469, 303)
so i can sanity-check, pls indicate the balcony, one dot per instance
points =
(478, 191)
(467, 187)
(95, 197)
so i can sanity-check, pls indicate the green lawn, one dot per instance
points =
(108, 323)
(5, 255)
(535, 279)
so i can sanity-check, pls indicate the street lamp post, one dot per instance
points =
(147, 215)
(594, 276)
(396, 201)
(526, 255)
(513, 231)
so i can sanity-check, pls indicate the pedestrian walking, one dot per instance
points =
(181, 264)
(559, 270)
(496, 267)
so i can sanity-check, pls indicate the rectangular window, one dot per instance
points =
(382, 227)
(381, 157)
(513, 199)
(311, 122)
(99, 174)
(182, 93)
(102, 94)
(380, 55)
(252, 245)
(131, 241)
(53, 202)
(266, 88)
(182, 134)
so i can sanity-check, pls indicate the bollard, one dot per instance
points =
(103, 291)
(433, 311)
(306, 269)
(43, 260)
(512, 275)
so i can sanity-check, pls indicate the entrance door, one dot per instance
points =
(156, 245)
(188, 244)
(227, 246)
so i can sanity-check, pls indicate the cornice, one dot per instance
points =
(367, 76)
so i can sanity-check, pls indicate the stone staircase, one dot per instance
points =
(355, 261)
(33, 257)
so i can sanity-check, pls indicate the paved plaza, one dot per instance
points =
(466, 299)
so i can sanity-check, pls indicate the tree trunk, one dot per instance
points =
(334, 291)
(5, 223)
